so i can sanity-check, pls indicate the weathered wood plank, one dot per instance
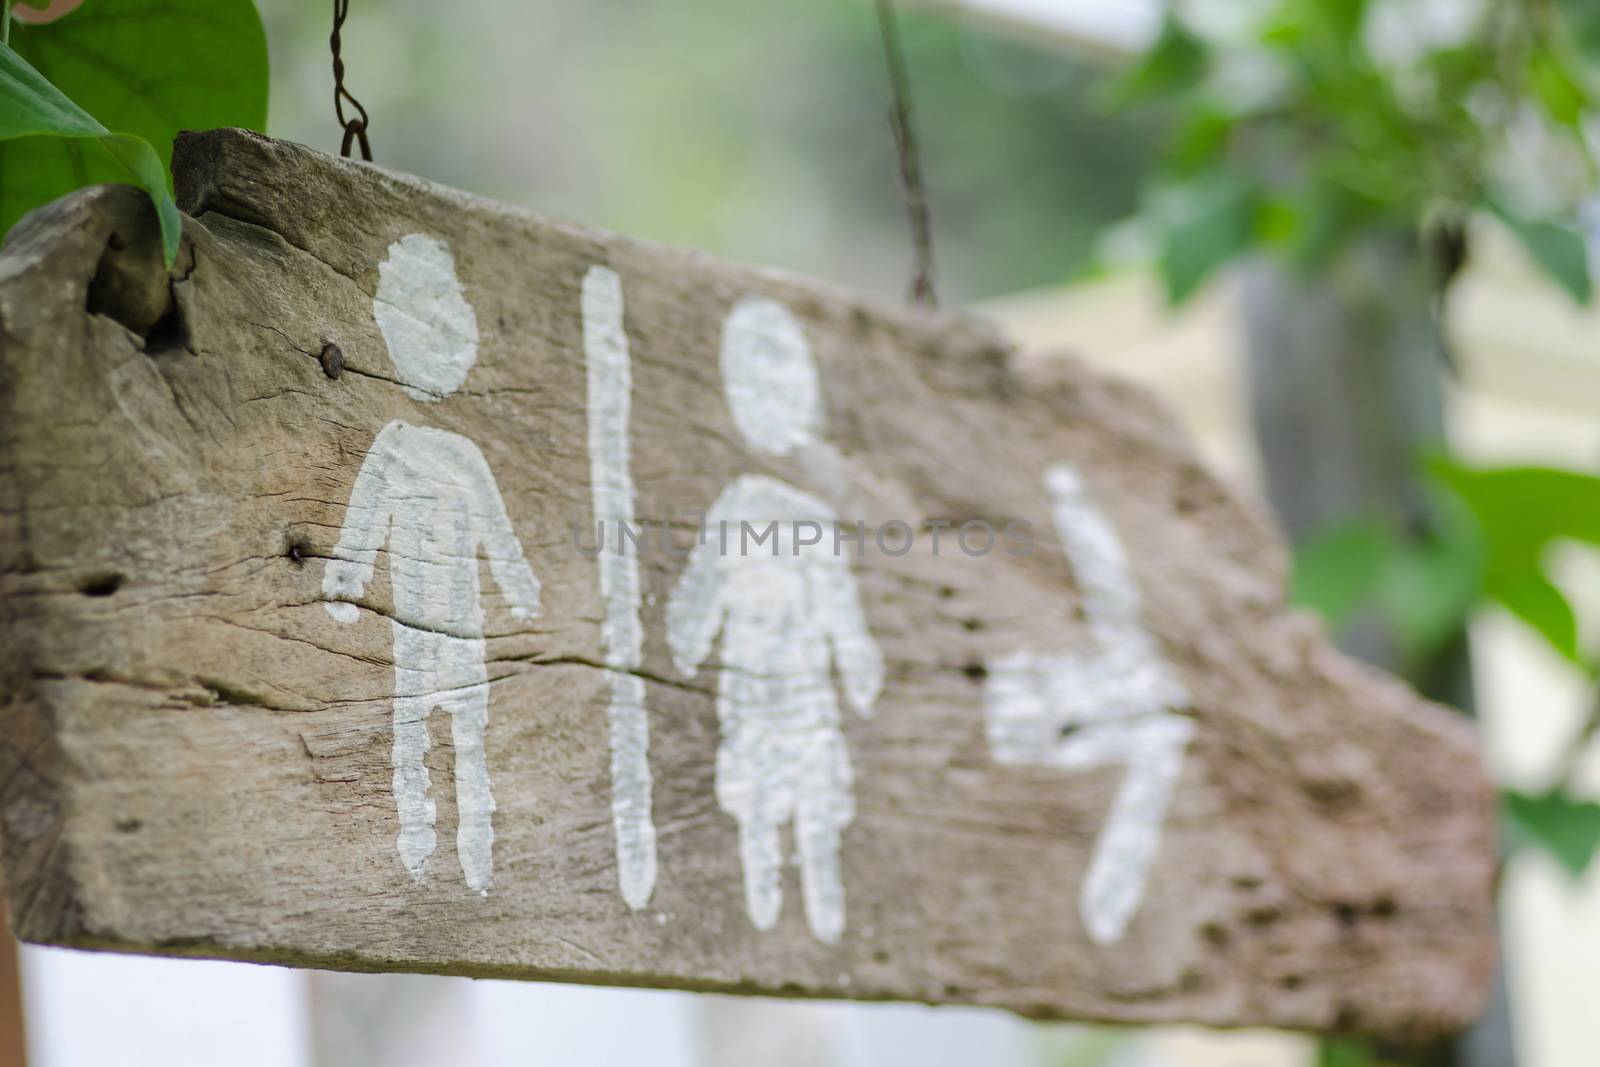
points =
(204, 752)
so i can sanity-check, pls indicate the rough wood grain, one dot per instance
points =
(196, 757)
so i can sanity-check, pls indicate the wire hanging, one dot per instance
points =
(905, 143)
(355, 127)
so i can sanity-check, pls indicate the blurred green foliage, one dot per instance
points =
(1325, 122)
(1563, 827)
(1498, 528)
(1423, 587)
(1495, 529)
(1346, 1052)
(1520, 513)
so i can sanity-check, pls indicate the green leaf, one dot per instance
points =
(32, 107)
(1201, 140)
(1424, 589)
(1568, 829)
(1279, 222)
(1559, 249)
(1217, 221)
(1583, 23)
(144, 69)
(1328, 216)
(1338, 569)
(1534, 599)
(1521, 512)
(1524, 508)
(1331, 27)
(1345, 1052)
(1343, 18)
(1557, 88)
(1176, 62)
(1429, 590)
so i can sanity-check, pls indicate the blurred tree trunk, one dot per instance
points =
(1347, 374)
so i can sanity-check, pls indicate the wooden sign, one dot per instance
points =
(417, 584)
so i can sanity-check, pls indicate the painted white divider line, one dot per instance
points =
(605, 346)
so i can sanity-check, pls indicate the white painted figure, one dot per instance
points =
(605, 346)
(429, 494)
(1113, 704)
(789, 616)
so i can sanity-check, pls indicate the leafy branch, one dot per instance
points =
(1298, 137)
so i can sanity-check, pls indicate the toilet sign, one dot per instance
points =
(409, 583)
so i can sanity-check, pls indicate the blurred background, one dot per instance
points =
(1338, 238)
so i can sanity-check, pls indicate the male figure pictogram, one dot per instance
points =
(789, 615)
(430, 495)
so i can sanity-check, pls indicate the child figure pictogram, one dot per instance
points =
(430, 495)
(789, 616)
